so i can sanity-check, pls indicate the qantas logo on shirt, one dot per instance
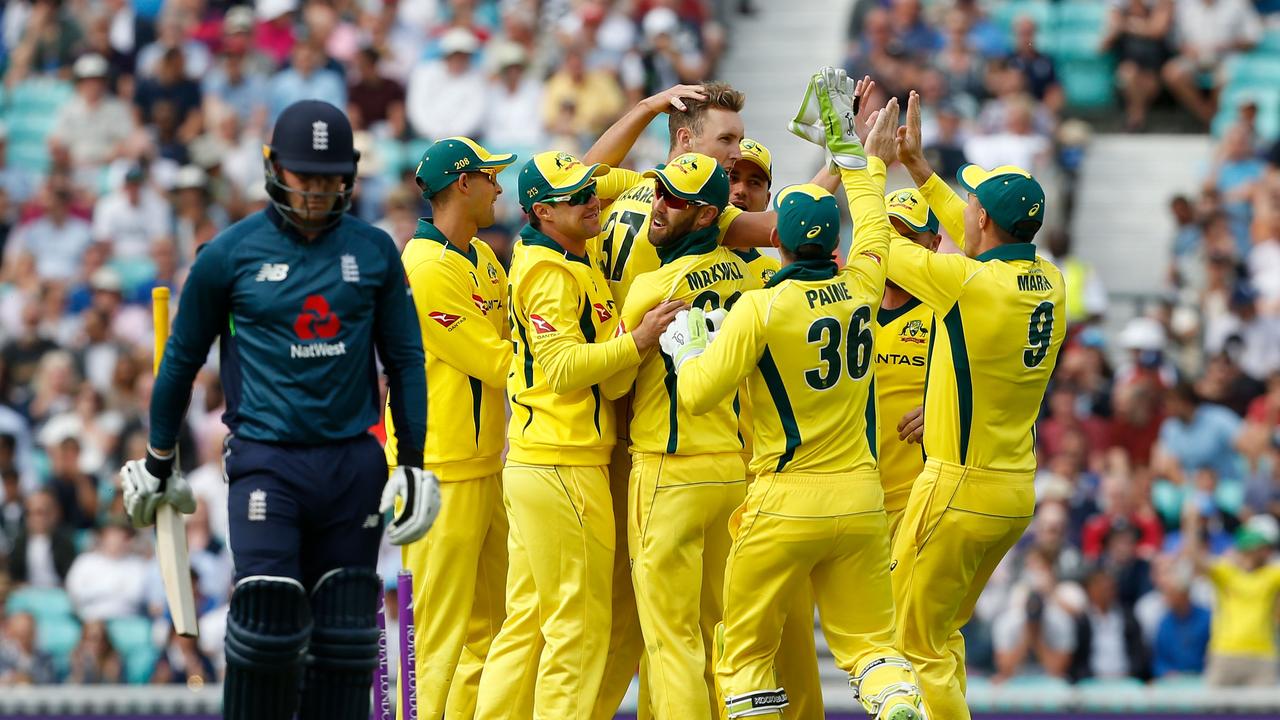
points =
(602, 312)
(621, 329)
(445, 319)
(485, 306)
(541, 326)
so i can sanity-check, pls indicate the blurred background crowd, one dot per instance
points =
(131, 133)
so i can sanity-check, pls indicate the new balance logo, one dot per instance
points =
(350, 270)
(273, 272)
(319, 135)
(257, 506)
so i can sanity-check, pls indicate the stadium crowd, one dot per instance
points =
(146, 120)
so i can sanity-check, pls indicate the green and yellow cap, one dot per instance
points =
(553, 173)
(909, 206)
(807, 215)
(1248, 538)
(754, 152)
(1013, 199)
(696, 178)
(449, 158)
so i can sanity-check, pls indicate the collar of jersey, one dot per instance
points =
(428, 231)
(530, 236)
(698, 242)
(276, 219)
(1009, 251)
(805, 271)
(885, 316)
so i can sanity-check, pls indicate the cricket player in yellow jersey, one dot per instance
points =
(568, 344)
(796, 662)
(687, 474)
(460, 568)
(992, 347)
(815, 513)
(902, 335)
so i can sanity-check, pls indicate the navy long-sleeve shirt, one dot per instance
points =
(299, 322)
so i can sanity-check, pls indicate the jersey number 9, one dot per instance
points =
(1039, 335)
(826, 332)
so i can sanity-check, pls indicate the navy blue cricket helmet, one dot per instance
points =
(311, 137)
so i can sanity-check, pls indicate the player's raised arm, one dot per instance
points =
(399, 342)
(945, 203)
(709, 372)
(617, 141)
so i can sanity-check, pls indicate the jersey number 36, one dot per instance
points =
(826, 332)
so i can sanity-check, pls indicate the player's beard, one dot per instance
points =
(671, 230)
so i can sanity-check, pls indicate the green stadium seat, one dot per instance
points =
(1036, 682)
(1005, 15)
(1082, 15)
(58, 636)
(139, 664)
(1088, 84)
(1253, 69)
(1068, 45)
(40, 602)
(1270, 43)
(129, 634)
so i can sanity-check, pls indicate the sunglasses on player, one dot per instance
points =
(673, 201)
(581, 197)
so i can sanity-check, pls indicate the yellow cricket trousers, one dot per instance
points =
(459, 572)
(793, 529)
(561, 546)
(678, 538)
(626, 643)
(958, 525)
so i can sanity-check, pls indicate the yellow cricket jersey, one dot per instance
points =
(709, 277)
(947, 206)
(460, 299)
(760, 267)
(623, 243)
(805, 348)
(1244, 621)
(569, 343)
(902, 337)
(999, 321)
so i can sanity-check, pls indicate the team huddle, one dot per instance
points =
(702, 444)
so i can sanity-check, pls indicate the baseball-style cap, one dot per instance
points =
(449, 158)
(694, 177)
(754, 152)
(553, 173)
(1248, 538)
(89, 66)
(807, 215)
(1013, 199)
(459, 40)
(909, 206)
(314, 137)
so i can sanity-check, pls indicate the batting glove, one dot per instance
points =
(686, 337)
(148, 482)
(834, 90)
(418, 491)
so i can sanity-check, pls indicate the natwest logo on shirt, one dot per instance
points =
(316, 322)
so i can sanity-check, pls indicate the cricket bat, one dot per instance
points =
(171, 528)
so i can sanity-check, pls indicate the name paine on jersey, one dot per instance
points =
(828, 294)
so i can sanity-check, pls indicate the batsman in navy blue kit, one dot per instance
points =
(300, 296)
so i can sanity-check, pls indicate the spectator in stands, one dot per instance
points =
(18, 183)
(945, 151)
(1196, 435)
(1108, 640)
(1036, 67)
(1236, 173)
(1052, 543)
(22, 354)
(56, 239)
(961, 66)
(235, 79)
(1121, 560)
(1064, 415)
(1182, 635)
(591, 99)
(173, 36)
(108, 581)
(1225, 383)
(442, 98)
(76, 491)
(1187, 235)
(170, 85)
(1137, 35)
(196, 221)
(94, 124)
(1036, 633)
(11, 499)
(1086, 295)
(1209, 31)
(131, 218)
(21, 662)
(514, 98)
(183, 663)
(45, 549)
(874, 54)
(306, 78)
(1121, 504)
(670, 55)
(911, 28)
(94, 661)
(379, 98)
(1242, 638)
(49, 41)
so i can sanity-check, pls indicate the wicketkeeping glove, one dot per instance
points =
(419, 494)
(834, 90)
(715, 319)
(686, 337)
(807, 124)
(148, 482)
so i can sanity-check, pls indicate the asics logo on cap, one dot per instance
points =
(319, 135)
(814, 232)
